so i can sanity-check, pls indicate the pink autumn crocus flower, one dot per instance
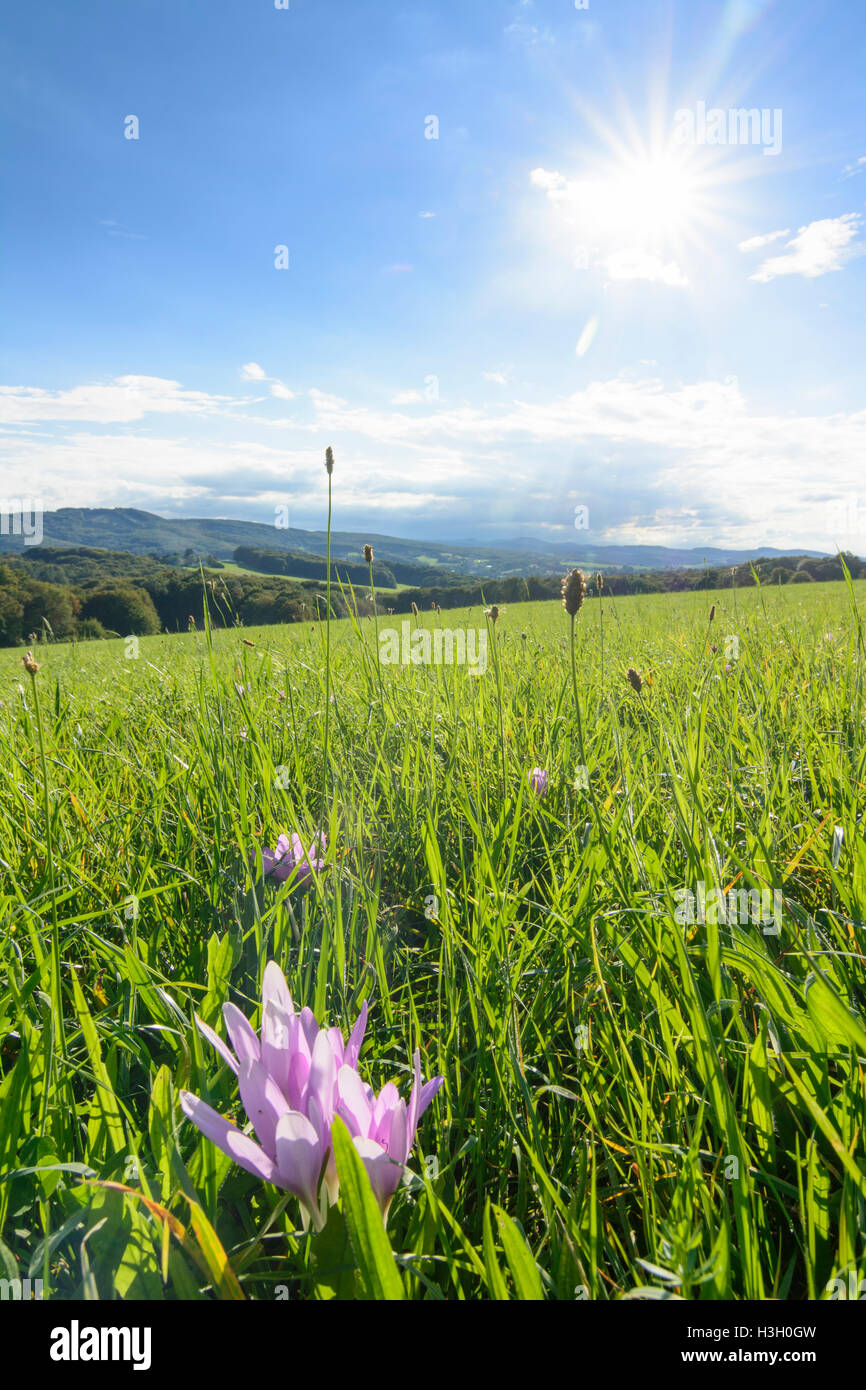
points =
(293, 1081)
(290, 855)
(539, 781)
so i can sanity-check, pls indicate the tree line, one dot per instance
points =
(82, 593)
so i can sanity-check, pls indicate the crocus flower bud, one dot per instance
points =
(539, 781)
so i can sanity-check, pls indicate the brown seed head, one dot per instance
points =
(415, 609)
(573, 592)
(30, 666)
(329, 460)
(712, 612)
(368, 555)
(599, 582)
(493, 614)
(634, 679)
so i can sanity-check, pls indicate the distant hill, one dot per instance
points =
(188, 539)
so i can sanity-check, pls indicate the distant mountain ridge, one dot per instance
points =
(144, 533)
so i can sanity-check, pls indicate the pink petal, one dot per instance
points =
(388, 1097)
(277, 1015)
(310, 1028)
(421, 1097)
(391, 1131)
(274, 988)
(323, 1076)
(299, 1159)
(217, 1043)
(384, 1174)
(353, 1047)
(299, 1073)
(338, 1047)
(229, 1138)
(263, 1101)
(243, 1038)
(353, 1102)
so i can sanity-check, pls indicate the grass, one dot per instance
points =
(632, 1105)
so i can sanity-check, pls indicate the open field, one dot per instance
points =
(631, 1101)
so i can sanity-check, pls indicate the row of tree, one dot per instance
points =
(96, 597)
(303, 566)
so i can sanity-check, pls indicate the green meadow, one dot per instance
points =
(638, 1102)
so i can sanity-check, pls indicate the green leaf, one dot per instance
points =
(524, 1271)
(495, 1282)
(333, 1260)
(373, 1254)
(832, 1017)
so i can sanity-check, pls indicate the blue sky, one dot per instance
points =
(565, 300)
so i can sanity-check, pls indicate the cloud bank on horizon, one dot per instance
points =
(482, 263)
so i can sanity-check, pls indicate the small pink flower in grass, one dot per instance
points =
(539, 781)
(293, 1081)
(383, 1127)
(290, 855)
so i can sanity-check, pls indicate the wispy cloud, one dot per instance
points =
(754, 243)
(635, 264)
(113, 228)
(125, 399)
(817, 249)
(251, 371)
(670, 453)
(410, 397)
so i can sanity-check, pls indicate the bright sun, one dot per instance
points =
(642, 200)
(640, 213)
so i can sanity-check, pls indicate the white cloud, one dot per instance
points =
(549, 179)
(684, 461)
(251, 371)
(816, 250)
(855, 168)
(499, 378)
(126, 398)
(754, 243)
(407, 398)
(635, 264)
(427, 215)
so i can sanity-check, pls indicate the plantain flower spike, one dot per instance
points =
(573, 592)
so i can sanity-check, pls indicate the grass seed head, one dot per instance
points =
(634, 679)
(573, 592)
(329, 460)
(368, 555)
(30, 666)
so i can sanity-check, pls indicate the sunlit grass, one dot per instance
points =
(654, 1105)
